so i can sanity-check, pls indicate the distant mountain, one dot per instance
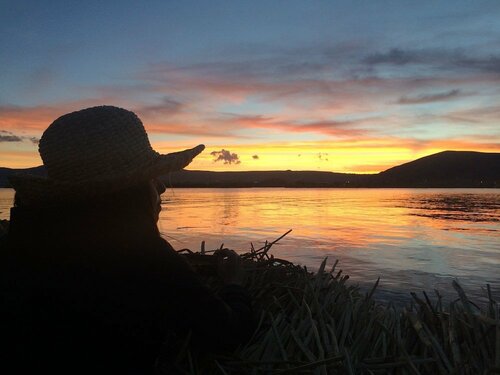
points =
(444, 169)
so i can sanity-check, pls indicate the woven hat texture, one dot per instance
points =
(94, 151)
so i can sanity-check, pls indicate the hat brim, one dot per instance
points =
(33, 189)
(175, 161)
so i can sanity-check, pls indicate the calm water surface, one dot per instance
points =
(413, 239)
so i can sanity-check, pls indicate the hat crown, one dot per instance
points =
(95, 151)
(95, 142)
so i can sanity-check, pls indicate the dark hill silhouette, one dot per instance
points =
(444, 169)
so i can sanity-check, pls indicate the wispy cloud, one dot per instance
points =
(479, 115)
(165, 108)
(396, 56)
(341, 128)
(332, 128)
(7, 136)
(38, 118)
(486, 64)
(431, 98)
(456, 59)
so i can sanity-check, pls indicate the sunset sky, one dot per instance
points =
(344, 86)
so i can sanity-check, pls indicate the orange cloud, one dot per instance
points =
(35, 119)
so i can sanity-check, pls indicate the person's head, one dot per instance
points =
(99, 154)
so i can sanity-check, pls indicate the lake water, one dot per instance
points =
(413, 239)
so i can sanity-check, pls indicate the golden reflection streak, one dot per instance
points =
(375, 225)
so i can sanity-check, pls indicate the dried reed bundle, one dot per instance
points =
(319, 323)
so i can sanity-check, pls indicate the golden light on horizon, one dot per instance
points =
(368, 156)
(348, 157)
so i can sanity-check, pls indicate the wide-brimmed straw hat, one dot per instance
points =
(96, 151)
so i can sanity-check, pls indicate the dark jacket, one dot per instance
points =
(75, 296)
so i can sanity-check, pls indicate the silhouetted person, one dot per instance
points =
(87, 283)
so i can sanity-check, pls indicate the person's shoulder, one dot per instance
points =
(162, 244)
(165, 250)
(163, 247)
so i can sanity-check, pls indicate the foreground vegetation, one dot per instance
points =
(319, 323)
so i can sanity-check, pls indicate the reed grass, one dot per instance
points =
(319, 323)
